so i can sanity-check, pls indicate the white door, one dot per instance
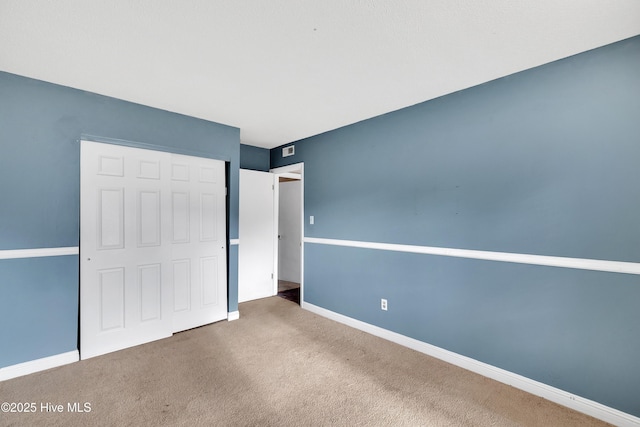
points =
(256, 231)
(128, 250)
(198, 242)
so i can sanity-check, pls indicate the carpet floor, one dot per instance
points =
(278, 365)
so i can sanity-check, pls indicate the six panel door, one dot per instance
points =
(198, 242)
(152, 243)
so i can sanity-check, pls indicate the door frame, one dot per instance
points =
(294, 170)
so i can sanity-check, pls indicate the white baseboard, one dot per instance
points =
(561, 397)
(37, 365)
(233, 315)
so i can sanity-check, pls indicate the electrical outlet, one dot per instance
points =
(383, 304)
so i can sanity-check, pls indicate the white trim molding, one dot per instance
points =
(561, 397)
(36, 253)
(233, 315)
(37, 365)
(234, 241)
(552, 261)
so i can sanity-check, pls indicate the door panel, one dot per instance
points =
(121, 299)
(208, 274)
(111, 303)
(111, 218)
(256, 254)
(207, 217)
(148, 212)
(137, 243)
(180, 217)
(199, 234)
(149, 281)
(181, 285)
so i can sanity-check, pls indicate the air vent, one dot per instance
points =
(289, 151)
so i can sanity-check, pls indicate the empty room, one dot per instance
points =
(320, 213)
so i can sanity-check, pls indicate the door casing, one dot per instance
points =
(295, 170)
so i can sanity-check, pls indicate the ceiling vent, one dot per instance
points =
(289, 151)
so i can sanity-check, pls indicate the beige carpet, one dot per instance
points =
(278, 365)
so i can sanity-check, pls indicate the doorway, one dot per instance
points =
(290, 204)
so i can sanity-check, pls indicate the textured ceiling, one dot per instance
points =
(282, 70)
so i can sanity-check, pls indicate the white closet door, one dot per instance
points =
(198, 242)
(128, 251)
(256, 230)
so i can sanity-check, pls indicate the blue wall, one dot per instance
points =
(254, 158)
(40, 128)
(38, 308)
(541, 162)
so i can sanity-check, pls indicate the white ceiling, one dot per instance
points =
(282, 70)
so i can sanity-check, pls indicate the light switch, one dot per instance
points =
(311, 220)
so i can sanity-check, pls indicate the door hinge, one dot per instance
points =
(272, 275)
(225, 191)
(273, 187)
